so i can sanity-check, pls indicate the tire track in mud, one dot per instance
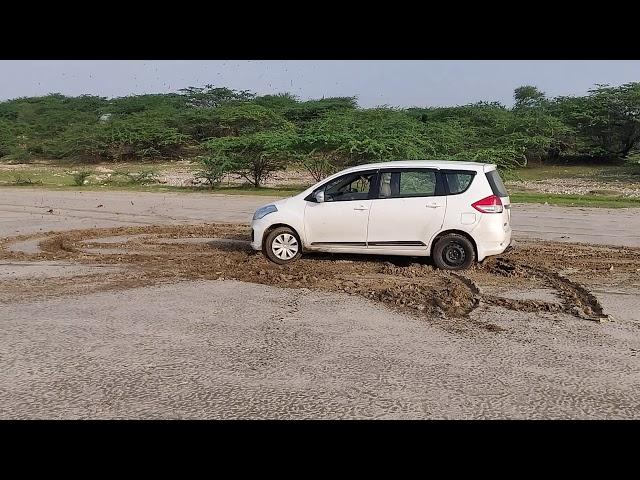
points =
(576, 299)
(418, 288)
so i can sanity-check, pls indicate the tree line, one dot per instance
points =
(238, 131)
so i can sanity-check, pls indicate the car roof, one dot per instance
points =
(440, 164)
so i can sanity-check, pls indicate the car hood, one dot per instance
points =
(278, 203)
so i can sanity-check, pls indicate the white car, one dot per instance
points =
(455, 212)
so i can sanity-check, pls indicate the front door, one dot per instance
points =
(341, 220)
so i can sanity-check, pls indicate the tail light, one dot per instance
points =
(491, 204)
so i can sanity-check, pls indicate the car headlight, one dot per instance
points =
(264, 211)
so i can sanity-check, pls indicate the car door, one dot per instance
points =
(341, 219)
(409, 209)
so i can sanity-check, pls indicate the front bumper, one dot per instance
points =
(257, 233)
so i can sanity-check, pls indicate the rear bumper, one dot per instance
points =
(509, 247)
(492, 235)
(486, 249)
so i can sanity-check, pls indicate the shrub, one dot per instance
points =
(79, 178)
(142, 178)
(20, 180)
(212, 170)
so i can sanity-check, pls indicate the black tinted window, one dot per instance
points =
(497, 186)
(408, 183)
(459, 181)
(355, 186)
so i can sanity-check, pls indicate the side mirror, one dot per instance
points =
(319, 196)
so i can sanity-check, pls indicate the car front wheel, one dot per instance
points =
(282, 245)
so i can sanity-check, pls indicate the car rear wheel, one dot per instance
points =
(282, 245)
(453, 252)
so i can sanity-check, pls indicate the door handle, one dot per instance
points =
(433, 205)
(361, 207)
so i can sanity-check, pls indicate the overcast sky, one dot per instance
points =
(398, 83)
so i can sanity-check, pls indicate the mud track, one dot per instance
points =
(154, 255)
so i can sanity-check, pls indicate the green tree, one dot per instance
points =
(254, 156)
(210, 96)
(136, 136)
(232, 119)
(528, 96)
(494, 133)
(245, 118)
(303, 112)
(608, 119)
(280, 102)
(358, 136)
(323, 134)
(7, 137)
(168, 103)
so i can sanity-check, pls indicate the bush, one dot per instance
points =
(79, 178)
(20, 180)
(142, 178)
(212, 170)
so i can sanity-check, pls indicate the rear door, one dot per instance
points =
(408, 211)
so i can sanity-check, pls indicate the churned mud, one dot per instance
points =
(533, 277)
(557, 273)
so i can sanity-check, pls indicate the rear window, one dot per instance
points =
(497, 186)
(459, 181)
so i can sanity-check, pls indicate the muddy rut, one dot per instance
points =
(160, 254)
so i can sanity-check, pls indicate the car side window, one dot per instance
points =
(354, 186)
(408, 183)
(459, 181)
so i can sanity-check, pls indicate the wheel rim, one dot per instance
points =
(285, 246)
(454, 255)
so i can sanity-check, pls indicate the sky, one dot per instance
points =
(401, 83)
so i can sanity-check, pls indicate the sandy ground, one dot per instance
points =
(166, 352)
(25, 211)
(107, 314)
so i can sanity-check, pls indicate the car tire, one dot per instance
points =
(453, 252)
(282, 245)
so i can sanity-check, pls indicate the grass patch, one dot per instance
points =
(140, 177)
(40, 177)
(20, 180)
(285, 191)
(629, 172)
(576, 200)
